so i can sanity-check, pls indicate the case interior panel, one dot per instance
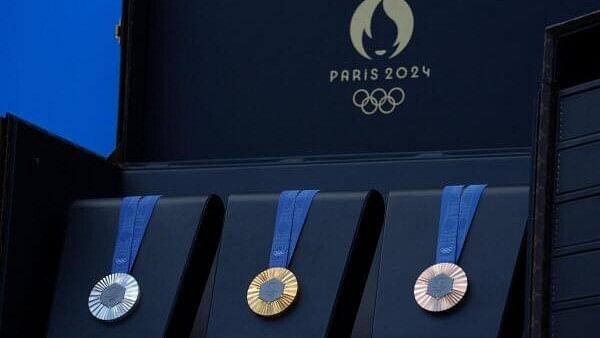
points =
(171, 268)
(234, 80)
(331, 262)
(409, 245)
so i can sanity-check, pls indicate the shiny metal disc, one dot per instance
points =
(114, 297)
(272, 292)
(441, 287)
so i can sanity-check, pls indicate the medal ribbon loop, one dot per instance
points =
(134, 218)
(459, 205)
(292, 212)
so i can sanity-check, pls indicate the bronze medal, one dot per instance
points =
(441, 287)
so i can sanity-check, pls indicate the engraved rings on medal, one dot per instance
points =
(272, 292)
(114, 297)
(441, 287)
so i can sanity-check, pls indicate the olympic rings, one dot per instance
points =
(378, 100)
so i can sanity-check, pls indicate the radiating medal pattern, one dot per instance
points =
(274, 290)
(116, 295)
(443, 285)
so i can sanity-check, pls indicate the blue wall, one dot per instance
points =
(59, 67)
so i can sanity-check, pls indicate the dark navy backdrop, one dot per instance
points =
(246, 79)
(59, 67)
(232, 79)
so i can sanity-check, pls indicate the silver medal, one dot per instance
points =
(114, 297)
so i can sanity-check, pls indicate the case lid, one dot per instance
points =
(207, 80)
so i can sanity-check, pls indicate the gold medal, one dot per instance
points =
(272, 292)
(441, 287)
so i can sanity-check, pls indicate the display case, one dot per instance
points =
(250, 99)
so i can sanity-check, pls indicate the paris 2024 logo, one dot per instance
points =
(380, 83)
(398, 11)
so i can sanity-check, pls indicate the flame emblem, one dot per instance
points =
(397, 10)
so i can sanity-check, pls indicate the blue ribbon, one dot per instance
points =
(459, 205)
(133, 221)
(292, 211)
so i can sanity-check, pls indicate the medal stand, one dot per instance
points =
(49, 173)
(331, 262)
(172, 267)
(492, 258)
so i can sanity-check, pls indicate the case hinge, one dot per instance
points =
(118, 31)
